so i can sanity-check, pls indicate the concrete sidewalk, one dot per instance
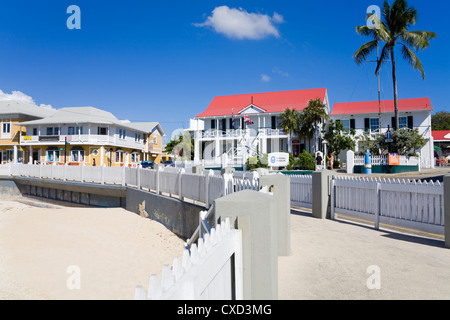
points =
(330, 260)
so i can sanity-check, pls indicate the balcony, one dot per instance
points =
(230, 133)
(88, 139)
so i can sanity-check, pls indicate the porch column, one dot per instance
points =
(30, 156)
(197, 146)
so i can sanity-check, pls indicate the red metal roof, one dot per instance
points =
(441, 135)
(386, 106)
(270, 102)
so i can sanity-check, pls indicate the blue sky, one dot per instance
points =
(166, 60)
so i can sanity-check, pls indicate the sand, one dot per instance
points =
(66, 253)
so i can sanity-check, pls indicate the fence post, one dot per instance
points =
(123, 175)
(332, 198)
(102, 174)
(378, 208)
(321, 194)
(280, 186)
(350, 161)
(254, 213)
(180, 173)
(207, 174)
(138, 177)
(447, 210)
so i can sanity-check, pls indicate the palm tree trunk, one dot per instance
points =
(394, 78)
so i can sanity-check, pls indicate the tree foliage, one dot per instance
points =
(338, 138)
(440, 121)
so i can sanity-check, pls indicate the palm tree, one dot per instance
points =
(393, 31)
(290, 122)
(313, 115)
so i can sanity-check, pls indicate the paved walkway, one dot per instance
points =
(330, 259)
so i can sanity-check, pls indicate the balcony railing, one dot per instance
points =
(80, 139)
(230, 133)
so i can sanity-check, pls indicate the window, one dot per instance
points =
(75, 130)
(155, 139)
(52, 155)
(6, 128)
(375, 125)
(77, 155)
(103, 131)
(35, 132)
(134, 157)
(346, 124)
(137, 137)
(119, 156)
(9, 155)
(122, 133)
(52, 131)
(403, 122)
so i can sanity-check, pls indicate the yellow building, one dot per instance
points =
(12, 115)
(89, 136)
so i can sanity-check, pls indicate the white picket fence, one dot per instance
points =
(401, 203)
(211, 269)
(204, 188)
(384, 160)
(301, 191)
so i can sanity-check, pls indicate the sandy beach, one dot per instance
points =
(73, 253)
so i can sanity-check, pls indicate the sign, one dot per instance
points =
(389, 140)
(278, 159)
(27, 138)
(394, 159)
(61, 149)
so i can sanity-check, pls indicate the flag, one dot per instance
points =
(247, 120)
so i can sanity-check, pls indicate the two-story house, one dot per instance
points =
(241, 126)
(89, 136)
(12, 115)
(375, 117)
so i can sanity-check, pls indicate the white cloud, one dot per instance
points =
(281, 72)
(240, 24)
(20, 96)
(265, 78)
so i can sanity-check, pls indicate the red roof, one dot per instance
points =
(269, 102)
(386, 106)
(441, 135)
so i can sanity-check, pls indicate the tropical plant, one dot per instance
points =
(338, 138)
(290, 123)
(314, 114)
(182, 146)
(393, 31)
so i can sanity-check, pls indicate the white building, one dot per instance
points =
(366, 116)
(224, 134)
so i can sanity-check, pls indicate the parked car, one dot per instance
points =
(147, 164)
(169, 163)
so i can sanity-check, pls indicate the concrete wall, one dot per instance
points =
(180, 217)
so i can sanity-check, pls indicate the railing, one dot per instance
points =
(402, 203)
(204, 188)
(82, 139)
(210, 269)
(384, 161)
(301, 191)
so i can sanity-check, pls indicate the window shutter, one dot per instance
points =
(410, 122)
(394, 126)
(366, 124)
(352, 124)
(274, 122)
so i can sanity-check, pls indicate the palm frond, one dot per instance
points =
(412, 59)
(418, 40)
(385, 54)
(363, 53)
